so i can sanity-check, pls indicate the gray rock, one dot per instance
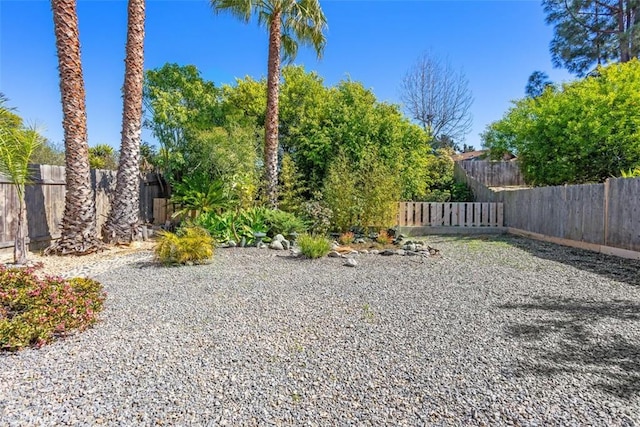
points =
(350, 262)
(359, 241)
(409, 247)
(285, 244)
(278, 238)
(277, 245)
(411, 253)
(374, 252)
(262, 245)
(388, 252)
(232, 243)
(334, 246)
(400, 252)
(334, 254)
(364, 252)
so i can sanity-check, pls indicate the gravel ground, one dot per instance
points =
(496, 331)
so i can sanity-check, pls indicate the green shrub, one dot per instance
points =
(383, 237)
(313, 246)
(188, 245)
(285, 223)
(34, 311)
(317, 217)
(234, 225)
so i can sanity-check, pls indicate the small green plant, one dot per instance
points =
(285, 223)
(199, 193)
(346, 238)
(314, 246)
(34, 311)
(383, 237)
(367, 312)
(631, 173)
(188, 245)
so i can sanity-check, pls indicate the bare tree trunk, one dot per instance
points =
(79, 235)
(271, 119)
(123, 222)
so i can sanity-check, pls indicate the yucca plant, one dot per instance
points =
(187, 245)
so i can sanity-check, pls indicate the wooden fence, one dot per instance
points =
(424, 214)
(606, 215)
(493, 174)
(44, 198)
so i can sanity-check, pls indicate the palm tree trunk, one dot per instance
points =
(271, 119)
(20, 246)
(79, 234)
(124, 218)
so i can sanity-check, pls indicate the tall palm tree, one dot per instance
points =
(79, 234)
(289, 22)
(124, 217)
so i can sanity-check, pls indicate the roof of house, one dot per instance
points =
(471, 155)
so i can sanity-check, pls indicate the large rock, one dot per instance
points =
(334, 254)
(350, 262)
(278, 238)
(277, 245)
(285, 244)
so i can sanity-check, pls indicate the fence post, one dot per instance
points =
(606, 211)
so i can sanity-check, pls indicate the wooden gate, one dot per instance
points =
(425, 214)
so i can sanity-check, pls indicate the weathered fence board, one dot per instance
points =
(44, 202)
(424, 214)
(494, 173)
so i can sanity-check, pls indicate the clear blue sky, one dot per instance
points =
(496, 43)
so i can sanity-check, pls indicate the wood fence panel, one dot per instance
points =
(623, 222)
(494, 173)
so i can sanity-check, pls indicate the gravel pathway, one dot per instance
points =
(503, 331)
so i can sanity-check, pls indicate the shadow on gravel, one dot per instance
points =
(612, 267)
(610, 357)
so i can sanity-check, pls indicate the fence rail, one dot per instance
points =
(424, 214)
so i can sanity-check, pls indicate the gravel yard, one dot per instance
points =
(496, 331)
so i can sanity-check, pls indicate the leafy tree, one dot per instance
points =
(48, 153)
(102, 156)
(593, 32)
(291, 186)
(123, 220)
(289, 22)
(17, 144)
(78, 234)
(438, 97)
(585, 132)
(537, 83)
(179, 104)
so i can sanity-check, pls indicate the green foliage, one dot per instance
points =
(361, 195)
(281, 222)
(48, 153)
(586, 132)
(103, 156)
(631, 173)
(317, 216)
(588, 32)
(236, 225)
(313, 246)
(197, 193)
(188, 245)
(201, 131)
(34, 311)
(291, 186)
